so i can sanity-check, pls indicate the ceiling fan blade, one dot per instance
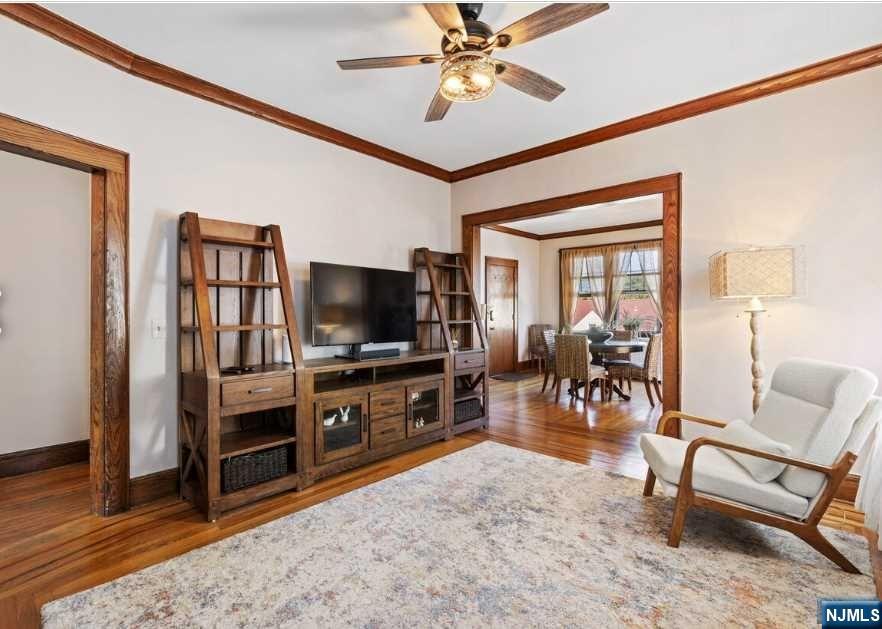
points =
(446, 16)
(527, 81)
(388, 62)
(437, 108)
(545, 21)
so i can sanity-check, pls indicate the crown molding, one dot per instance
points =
(84, 40)
(511, 231)
(602, 230)
(71, 34)
(806, 75)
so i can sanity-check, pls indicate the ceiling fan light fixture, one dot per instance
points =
(468, 76)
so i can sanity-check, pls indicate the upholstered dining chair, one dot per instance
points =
(649, 371)
(536, 344)
(785, 466)
(573, 360)
(548, 338)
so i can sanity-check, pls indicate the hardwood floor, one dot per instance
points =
(50, 546)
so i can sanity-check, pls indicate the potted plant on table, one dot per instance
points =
(632, 325)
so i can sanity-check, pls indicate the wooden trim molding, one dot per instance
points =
(71, 34)
(806, 75)
(150, 487)
(47, 457)
(505, 229)
(511, 231)
(109, 309)
(84, 40)
(602, 230)
(669, 187)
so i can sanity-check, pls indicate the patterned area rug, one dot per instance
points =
(488, 536)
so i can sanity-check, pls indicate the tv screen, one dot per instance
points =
(353, 304)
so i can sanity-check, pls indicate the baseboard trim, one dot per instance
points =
(150, 487)
(47, 457)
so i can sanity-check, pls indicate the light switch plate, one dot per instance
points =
(158, 328)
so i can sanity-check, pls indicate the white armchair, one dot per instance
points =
(785, 467)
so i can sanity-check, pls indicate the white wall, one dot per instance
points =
(526, 252)
(44, 308)
(549, 263)
(187, 154)
(804, 167)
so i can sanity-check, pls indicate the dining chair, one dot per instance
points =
(573, 360)
(548, 339)
(536, 344)
(784, 467)
(649, 371)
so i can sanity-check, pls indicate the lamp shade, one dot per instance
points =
(755, 272)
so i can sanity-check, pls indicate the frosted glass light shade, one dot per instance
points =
(755, 272)
(467, 76)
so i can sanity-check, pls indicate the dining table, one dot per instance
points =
(599, 349)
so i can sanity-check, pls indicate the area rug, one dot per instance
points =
(488, 536)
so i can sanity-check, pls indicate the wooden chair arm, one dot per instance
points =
(678, 415)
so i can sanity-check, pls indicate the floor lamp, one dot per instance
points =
(755, 273)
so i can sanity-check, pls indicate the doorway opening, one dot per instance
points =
(106, 296)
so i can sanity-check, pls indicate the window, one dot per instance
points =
(636, 272)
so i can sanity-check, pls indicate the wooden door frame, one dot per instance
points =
(109, 318)
(513, 263)
(669, 186)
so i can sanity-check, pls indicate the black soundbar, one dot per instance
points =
(356, 353)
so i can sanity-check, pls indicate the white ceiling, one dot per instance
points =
(634, 210)
(630, 60)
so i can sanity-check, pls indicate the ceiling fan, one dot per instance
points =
(468, 73)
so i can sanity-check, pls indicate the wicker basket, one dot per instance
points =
(245, 470)
(466, 410)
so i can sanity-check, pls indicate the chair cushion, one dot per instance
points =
(812, 406)
(716, 474)
(740, 434)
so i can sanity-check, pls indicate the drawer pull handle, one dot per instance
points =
(261, 390)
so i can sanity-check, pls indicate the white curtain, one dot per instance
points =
(593, 270)
(647, 256)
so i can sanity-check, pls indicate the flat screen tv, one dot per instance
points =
(352, 305)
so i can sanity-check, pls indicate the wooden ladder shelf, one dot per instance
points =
(237, 396)
(449, 318)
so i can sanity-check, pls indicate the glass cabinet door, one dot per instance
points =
(425, 408)
(341, 427)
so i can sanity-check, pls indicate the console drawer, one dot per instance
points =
(386, 431)
(388, 402)
(256, 390)
(468, 361)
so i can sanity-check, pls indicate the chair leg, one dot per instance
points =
(813, 538)
(590, 393)
(649, 484)
(655, 384)
(556, 389)
(648, 391)
(545, 382)
(681, 508)
(629, 379)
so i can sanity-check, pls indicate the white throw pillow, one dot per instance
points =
(741, 434)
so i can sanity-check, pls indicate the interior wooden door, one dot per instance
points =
(501, 297)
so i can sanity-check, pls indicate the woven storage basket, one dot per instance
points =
(245, 470)
(466, 410)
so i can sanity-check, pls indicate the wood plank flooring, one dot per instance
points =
(50, 546)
